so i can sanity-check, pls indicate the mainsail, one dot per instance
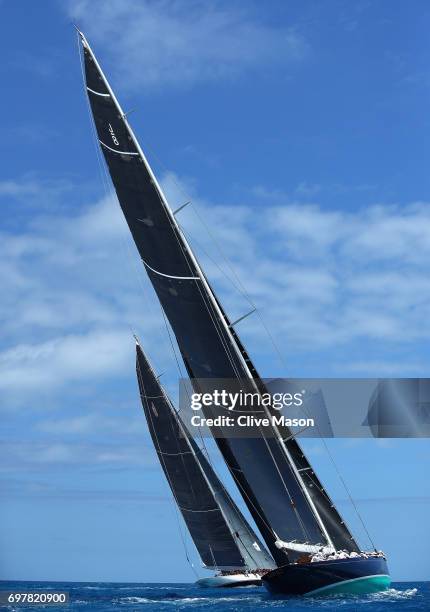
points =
(220, 532)
(283, 494)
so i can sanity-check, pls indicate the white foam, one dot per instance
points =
(396, 594)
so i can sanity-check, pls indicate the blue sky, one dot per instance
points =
(300, 131)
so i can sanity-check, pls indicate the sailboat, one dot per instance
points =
(292, 510)
(221, 534)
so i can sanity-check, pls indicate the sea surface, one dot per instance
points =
(130, 597)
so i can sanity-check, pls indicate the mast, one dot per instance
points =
(286, 510)
(220, 532)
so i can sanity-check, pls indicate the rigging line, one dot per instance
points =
(181, 375)
(102, 167)
(172, 490)
(298, 517)
(194, 240)
(174, 504)
(322, 490)
(245, 294)
(108, 193)
(193, 266)
(274, 461)
(213, 558)
(172, 346)
(177, 233)
(248, 551)
(233, 364)
(238, 284)
(183, 247)
(349, 494)
(211, 487)
(239, 516)
(187, 253)
(240, 486)
(139, 274)
(93, 130)
(105, 178)
(100, 161)
(106, 181)
(173, 426)
(341, 479)
(189, 257)
(245, 494)
(249, 531)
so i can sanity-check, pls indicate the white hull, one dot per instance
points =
(235, 580)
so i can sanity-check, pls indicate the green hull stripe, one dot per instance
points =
(358, 586)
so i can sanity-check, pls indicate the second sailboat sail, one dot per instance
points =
(220, 532)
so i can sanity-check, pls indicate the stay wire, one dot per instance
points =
(237, 283)
(172, 490)
(109, 194)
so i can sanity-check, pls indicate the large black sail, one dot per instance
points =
(285, 503)
(219, 530)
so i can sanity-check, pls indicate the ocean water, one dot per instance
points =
(129, 597)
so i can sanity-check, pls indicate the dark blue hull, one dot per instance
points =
(329, 577)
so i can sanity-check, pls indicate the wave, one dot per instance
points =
(395, 594)
(176, 598)
(388, 596)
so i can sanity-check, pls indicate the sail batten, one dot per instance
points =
(279, 495)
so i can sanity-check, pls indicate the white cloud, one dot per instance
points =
(61, 360)
(330, 278)
(388, 368)
(29, 187)
(323, 279)
(92, 423)
(72, 291)
(178, 43)
(327, 283)
(32, 456)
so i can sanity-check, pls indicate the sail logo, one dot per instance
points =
(114, 138)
